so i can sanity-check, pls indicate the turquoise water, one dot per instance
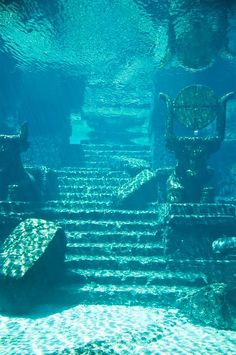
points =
(90, 72)
(109, 56)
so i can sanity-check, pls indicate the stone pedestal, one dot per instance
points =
(188, 230)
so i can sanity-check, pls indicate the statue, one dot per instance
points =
(15, 182)
(196, 107)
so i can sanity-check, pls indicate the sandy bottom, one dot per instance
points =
(113, 329)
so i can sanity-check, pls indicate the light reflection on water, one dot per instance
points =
(123, 330)
(118, 45)
(83, 35)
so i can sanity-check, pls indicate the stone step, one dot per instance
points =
(97, 164)
(136, 278)
(111, 237)
(203, 220)
(72, 201)
(87, 189)
(73, 204)
(218, 270)
(119, 162)
(90, 173)
(114, 249)
(110, 159)
(153, 296)
(92, 181)
(86, 197)
(195, 209)
(115, 147)
(107, 187)
(115, 263)
(103, 216)
(109, 154)
(101, 226)
(80, 204)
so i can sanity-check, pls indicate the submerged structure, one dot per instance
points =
(95, 215)
(127, 246)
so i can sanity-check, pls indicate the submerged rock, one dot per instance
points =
(211, 306)
(31, 261)
(225, 245)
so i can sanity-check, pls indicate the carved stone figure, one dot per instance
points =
(15, 182)
(196, 107)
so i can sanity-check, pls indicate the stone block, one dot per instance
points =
(31, 261)
(225, 246)
(211, 306)
(132, 166)
(138, 191)
(188, 229)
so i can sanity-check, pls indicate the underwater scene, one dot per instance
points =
(117, 177)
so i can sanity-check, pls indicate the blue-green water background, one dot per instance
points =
(61, 58)
(64, 61)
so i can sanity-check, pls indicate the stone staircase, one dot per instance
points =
(151, 257)
(113, 256)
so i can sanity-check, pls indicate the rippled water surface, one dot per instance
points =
(118, 44)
